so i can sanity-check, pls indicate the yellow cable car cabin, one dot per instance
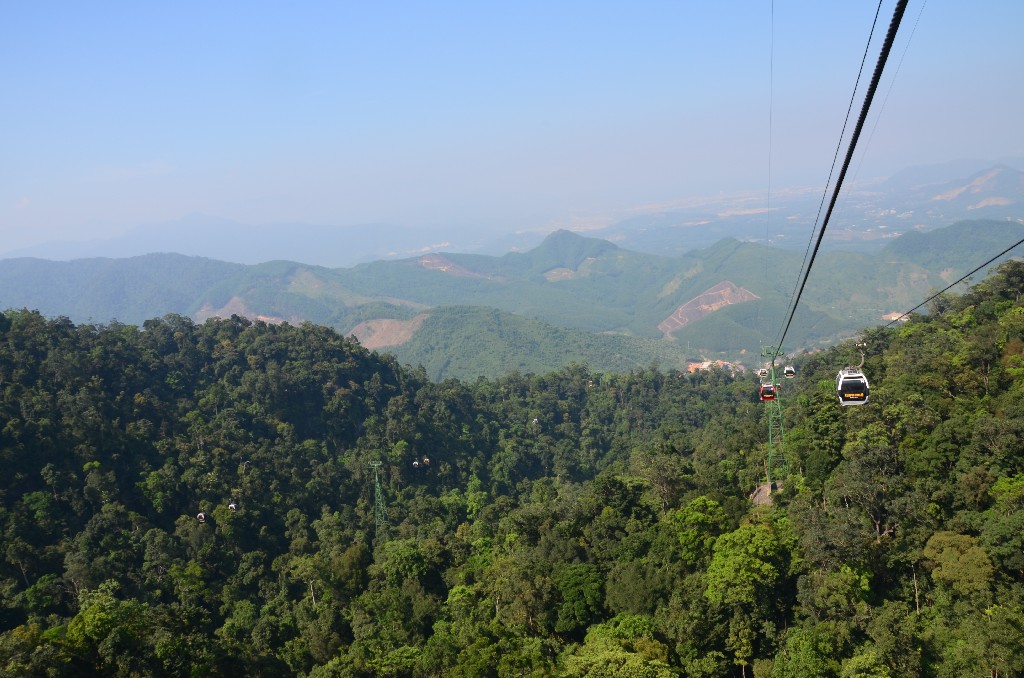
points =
(852, 387)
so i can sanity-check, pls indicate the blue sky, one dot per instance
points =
(500, 115)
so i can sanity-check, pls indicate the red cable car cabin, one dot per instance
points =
(767, 392)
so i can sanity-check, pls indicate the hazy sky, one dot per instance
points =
(500, 114)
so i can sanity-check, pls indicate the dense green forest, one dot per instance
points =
(572, 523)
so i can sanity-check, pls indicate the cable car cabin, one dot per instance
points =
(852, 387)
(763, 373)
(790, 371)
(767, 392)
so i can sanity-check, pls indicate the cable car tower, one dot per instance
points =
(775, 462)
(380, 514)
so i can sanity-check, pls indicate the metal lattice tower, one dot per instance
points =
(775, 463)
(380, 515)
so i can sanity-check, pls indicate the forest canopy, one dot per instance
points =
(241, 498)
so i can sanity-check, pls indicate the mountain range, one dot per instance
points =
(869, 213)
(571, 298)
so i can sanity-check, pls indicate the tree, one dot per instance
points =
(808, 653)
(580, 586)
(959, 561)
(746, 572)
(111, 634)
(625, 646)
(698, 525)
(865, 664)
(990, 643)
(746, 565)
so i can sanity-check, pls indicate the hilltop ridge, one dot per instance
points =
(715, 303)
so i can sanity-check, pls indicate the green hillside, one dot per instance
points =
(970, 241)
(568, 285)
(467, 341)
(100, 290)
(569, 280)
(293, 292)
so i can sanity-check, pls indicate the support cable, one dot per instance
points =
(895, 75)
(835, 156)
(771, 109)
(965, 277)
(894, 25)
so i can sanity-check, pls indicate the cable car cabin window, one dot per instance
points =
(767, 392)
(852, 388)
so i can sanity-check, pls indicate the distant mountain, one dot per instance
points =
(912, 178)
(971, 241)
(867, 216)
(570, 298)
(224, 240)
(568, 280)
(997, 192)
(99, 290)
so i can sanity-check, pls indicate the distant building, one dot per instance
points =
(896, 316)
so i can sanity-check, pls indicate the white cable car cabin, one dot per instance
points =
(789, 372)
(852, 387)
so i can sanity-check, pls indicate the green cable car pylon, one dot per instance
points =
(380, 514)
(775, 464)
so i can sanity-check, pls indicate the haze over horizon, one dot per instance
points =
(500, 117)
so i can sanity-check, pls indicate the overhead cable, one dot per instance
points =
(771, 107)
(965, 277)
(894, 25)
(835, 156)
(895, 75)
